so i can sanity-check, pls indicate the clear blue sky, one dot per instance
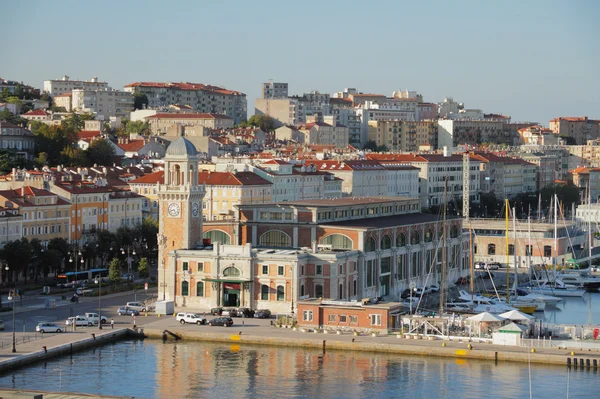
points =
(533, 60)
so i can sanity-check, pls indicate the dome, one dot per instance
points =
(181, 147)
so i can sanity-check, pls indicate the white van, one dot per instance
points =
(139, 306)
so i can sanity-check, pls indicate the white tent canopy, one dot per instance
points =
(516, 315)
(512, 327)
(485, 317)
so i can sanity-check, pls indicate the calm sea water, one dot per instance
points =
(152, 369)
(583, 310)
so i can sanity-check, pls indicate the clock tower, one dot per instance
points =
(180, 209)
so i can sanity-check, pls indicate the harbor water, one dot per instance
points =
(153, 369)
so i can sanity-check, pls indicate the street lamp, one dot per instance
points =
(12, 298)
(76, 254)
(99, 282)
(130, 251)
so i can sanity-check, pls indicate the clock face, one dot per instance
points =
(173, 209)
(195, 209)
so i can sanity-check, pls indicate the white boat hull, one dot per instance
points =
(562, 292)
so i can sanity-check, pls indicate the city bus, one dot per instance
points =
(84, 276)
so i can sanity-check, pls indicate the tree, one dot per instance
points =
(47, 97)
(73, 156)
(264, 122)
(10, 159)
(18, 255)
(567, 194)
(370, 145)
(52, 140)
(19, 91)
(569, 140)
(5, 94)
(6, 115)
(114, 271)
(76, 122)
(100, 152)
(139, 101)
(137, 127)
(144, 268)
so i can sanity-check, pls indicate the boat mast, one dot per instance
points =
(506, 205)
(472, 277)
(555, 260)
(529, 250)
(515, 247)
(444, 254)
(589, 229)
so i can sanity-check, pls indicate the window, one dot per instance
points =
(264, 292)
(547, 250)
(217, 236)
(331, 318)
(370, 245)
(185, 266)
(200, 266)
(386, 242)
(302, 290)
(275, 238)
(354, 287)
(263, 216)
(341, 291)
(319, 269)
(318, 291)
(511, 249)
(337, 241)
(341, 269)
(307, 315)
(428, 235)
(265, 269)
(375, 319)
(200, 288)
(415, 238)
(401, 240)
(354, 319)
(491, 249)
(370, 273)
(343, 319)
(280, 293)
(453, 232)
(280, 270)
(185, 288)
(275, 215)
(386, 265)
(231, 272)
(528, 250)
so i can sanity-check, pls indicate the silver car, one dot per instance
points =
(48, 328)
(126, 311)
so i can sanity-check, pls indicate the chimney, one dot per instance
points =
(447, 151)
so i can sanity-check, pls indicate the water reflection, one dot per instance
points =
(152, 369)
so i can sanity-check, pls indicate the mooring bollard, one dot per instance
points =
(45, 349)
(581, 362)
(595, 363)
(569, 362)
(94, 336)
(587, 363)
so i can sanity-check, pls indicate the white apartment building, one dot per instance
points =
(124, 210)
(202, 98)
(285, 111)
(372, 178)
(322, 133)
(65, 85)
(373, 111)
(449, 106)
(466, 131)
(506, 177)
(104, 103)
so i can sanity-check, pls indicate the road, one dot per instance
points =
(31, 310)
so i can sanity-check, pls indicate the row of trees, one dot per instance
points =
(29, 260)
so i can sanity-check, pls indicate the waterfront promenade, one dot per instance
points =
(261, 332)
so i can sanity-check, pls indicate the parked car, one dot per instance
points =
(93, 317)
(245, 312)
(48, 328)
(421, 291)
(479, 265)
(79, 321)
(82, 291)
(434, 288)
(595, 269)
(190, 318)
(493, 266)
(216, 311)
(221, 321)
(405, 294)
(262, 314)
(1, 325)
(126, 311)
(231, 312)
(463, 280)
(139, 306)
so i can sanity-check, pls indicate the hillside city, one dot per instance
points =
(83, 164)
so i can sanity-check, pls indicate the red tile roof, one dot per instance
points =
(36, 112)
(151, 178)
(133, 145)
(231, 179)
(88, 134)
(275, 162)
(187, 116)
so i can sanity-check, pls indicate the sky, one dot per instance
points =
(533, 60)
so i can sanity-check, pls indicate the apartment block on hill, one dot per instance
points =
(580, 129)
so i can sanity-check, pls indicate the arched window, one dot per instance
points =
(491, 249)
(231, 272)
(185, 288)
(318, 291)
(280, 293)
(386, 242)
(401, 240)
(428, 235)
(200, 288)
(337, 241)
(354, 286)
(415, 237)
(341, 291)
(370, 245)
(302, 290)
(275, 238)
(264, 292)
(453, 232)
(217, 236)
(176, 177)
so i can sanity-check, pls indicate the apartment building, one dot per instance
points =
(506, 177)
(44, 215)
(202, 98)
(548, 167)
(125, 209)
(322, 133)
(65, 85)
(105, 103)
(285, 111)
(580, 129)
(403, 136)
(146, 187)
(452, 133)
(170, 123)
(345, 114)
(372, 178)
(272, 89)
(18, 139)
(537, 135)
(64, 100)
(37, 115)
(11, 223)
(434, 170)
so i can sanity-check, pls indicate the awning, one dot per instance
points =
(226, 280)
